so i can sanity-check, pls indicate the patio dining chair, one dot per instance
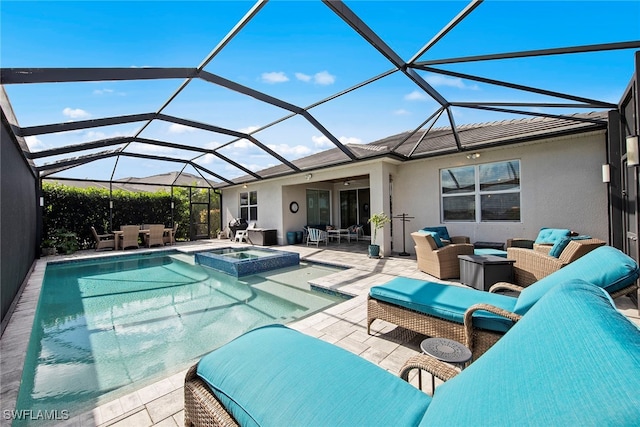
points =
(103, 241)
(316, 236)
(129, 236)
(155, 237)
(170, 238)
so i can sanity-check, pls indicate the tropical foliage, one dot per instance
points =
(70, 211)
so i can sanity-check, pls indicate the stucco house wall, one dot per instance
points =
(561, 187)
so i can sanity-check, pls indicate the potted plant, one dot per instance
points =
(377, 221)
(48, 247)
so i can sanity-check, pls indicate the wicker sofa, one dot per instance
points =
(275, 376)
(532, 265)
(479, 319)
(436, 258)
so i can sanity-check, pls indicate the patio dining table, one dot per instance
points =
(144, 233)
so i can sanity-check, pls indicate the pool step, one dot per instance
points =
(304, 299)
(186, 258)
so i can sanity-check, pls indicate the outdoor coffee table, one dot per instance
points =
(338, 234)
(445, 350)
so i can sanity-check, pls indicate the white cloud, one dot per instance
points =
(178, 128)
(34, 143)
(138, 147)
(102, 91)
(416, 95)
(75, 113)
(322, 142)
(324, 78)
(92, 135)
(438, 80)
(248, 129)
(242, 143)
(274, 77)
(401, 112)
(303, 77)
(350, 140)
(288, 150)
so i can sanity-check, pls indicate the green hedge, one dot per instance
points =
(75, 210)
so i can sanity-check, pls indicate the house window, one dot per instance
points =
(481, 193)
(249, 206)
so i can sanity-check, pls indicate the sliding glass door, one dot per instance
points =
(354, 208)
(318, 207)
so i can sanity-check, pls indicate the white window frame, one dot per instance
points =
(477, 193)
(248, 206)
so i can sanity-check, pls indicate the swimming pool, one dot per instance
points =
(105, 327)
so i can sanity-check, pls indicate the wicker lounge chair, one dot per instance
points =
(545, 371)
(533, 264)
(103, 241)
(478, 319)
(129, 236)
(443, 234)
(437, 259)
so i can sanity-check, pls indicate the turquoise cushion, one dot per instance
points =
(487, 251)
(447, 302)
(605, 266)
(573, 360)
(275, 376)
(443, 233)
(551, 235)
(435, 236)
(562, 243)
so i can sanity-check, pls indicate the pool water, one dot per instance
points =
(106, 327)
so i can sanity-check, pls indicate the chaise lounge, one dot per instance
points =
(479, 319)
(571, 360)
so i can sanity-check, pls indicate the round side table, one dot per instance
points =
(445, 350)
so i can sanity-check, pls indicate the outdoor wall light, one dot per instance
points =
(110, 204)
(172, 205)
(606, 173)
(41, 201)
(633, 157)
(308, 176)
(346, 183)
(244, 186)
(473, 156)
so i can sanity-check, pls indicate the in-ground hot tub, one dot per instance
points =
(245, 261)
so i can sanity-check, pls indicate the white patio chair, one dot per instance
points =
(244, 234)
(316, 236)
(354, 232)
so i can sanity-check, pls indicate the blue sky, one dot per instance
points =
(302, 52)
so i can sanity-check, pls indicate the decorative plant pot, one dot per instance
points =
(374, 251)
